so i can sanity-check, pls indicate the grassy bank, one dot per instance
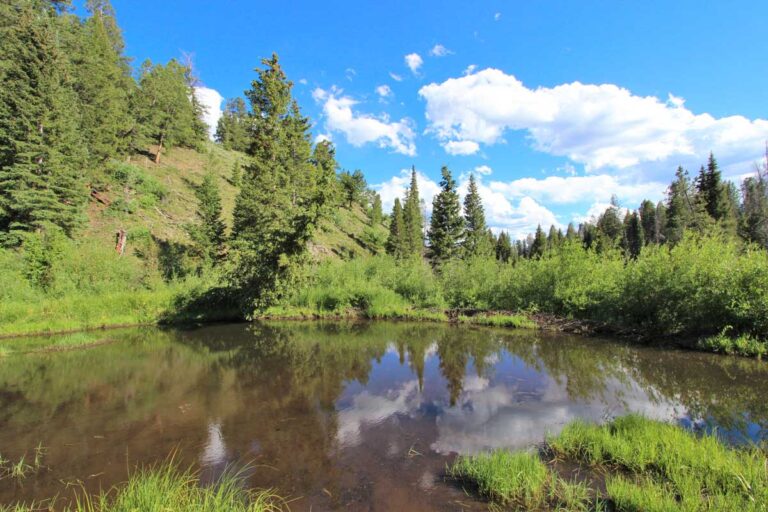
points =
(635, 464)
(167, 488)
(699, 288)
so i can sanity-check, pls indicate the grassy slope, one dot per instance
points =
(180, 169)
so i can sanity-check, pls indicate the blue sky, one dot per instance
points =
(556, 105)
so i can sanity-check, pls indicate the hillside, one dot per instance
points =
(143, 198)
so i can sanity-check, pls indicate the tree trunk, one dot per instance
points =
(121, 239)
(159, 148)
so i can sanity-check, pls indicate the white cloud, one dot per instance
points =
(467, 71)
(350, 73)
(439, 51)
(484, 170)
(461, 147)
(360, 129)
(395, 77)
(580, 189)
(211, 100)
(497, 16)
(303, 81)
(414, 62)
(600, 126)
(323, 137)
(384, 91)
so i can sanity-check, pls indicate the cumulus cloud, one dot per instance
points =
(395, 77)
(414, 62)
(211, 100)
(439, 51)
(360, 129)
(601, 126)
(484, 170)
(461, 147)
(469, 69)
(580, 189)
(384, 91)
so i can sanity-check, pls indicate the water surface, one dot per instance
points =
(354, 416)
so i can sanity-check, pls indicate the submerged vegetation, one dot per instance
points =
(643, 464)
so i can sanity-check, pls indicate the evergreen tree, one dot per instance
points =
(571, 233)
(353, 186)
(446, 226)
(648, 221)
(327, 186)
(504, 247)
(634, 236)
(661, 222)
(396, 243)
(209, 233)
(166, 111)
(236, 177)
(104, 84)
(412, 218)
(679, 207)
(539, 244)
(41, 152)
(278, 204)
(476, 242)
(554, 238)
(376, 214)
(609, 226)
(232, 128)
(754, 218)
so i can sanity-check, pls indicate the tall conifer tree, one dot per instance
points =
(476, 241)
(412, 217)
(446, 225)
(41, 152)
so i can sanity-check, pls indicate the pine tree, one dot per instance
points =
(504, 247)
(609, 226)
(446, 226)
(236, 177)
(166, 111)
(353, 186)
(396, 244)
(679, 207)
(412, 218)
(209, 234)
(41, 153)
(475, 239)
(103, 84)
(634, 236)
(539, 244)
(233, 125)
(279, 203)
(554, 238)
(648, 221)
(571, 233)
(376, 214)
(754, 219)
(327, 187)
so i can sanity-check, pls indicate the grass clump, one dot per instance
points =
(517, 479)
(665, 464)
(743, 344)
(516, 321)
(167, 488)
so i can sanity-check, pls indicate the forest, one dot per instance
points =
(99, 157)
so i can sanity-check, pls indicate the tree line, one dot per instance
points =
(705, 204)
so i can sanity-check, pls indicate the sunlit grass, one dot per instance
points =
(500, 320)
(166, 488)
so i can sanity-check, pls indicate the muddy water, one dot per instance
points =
(359, 416)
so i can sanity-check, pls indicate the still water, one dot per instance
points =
(343, 416)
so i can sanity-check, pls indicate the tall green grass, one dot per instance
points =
(647, 466)
(165, 489)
